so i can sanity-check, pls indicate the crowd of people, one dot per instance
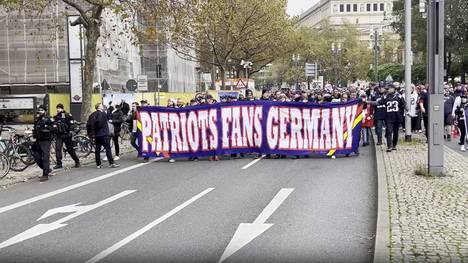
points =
(383, 107)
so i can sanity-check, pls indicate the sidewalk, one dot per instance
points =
(33, 172)
(428, 217)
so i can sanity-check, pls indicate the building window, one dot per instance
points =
(368, 7)
(342, 8)
(348, 8)
(335, 8)
(355, 7)
(382, 7)
(376, 7)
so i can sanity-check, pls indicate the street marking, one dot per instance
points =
(245, 233)
(253, 162)
(41, 229)
(72, 187)
(146, 228)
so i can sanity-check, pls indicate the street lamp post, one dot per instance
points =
(247, 65)
(376, 37)
(336, 50)
(435, 75)
(408, 62)
(296, 58)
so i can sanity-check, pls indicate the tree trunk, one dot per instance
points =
(92, 36)
(223, 78)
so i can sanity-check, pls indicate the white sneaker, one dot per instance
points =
(116, 158)
(172, 160)
(462, 148)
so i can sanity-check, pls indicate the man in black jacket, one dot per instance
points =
(43, 133)
(394, 104)
(64, 122)
(379, 113)
(98, 129)
(117, 118)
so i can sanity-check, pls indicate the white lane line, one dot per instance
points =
(71, 187)
(253, 162)
(141, 231)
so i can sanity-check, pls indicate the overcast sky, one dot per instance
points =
(296, 7)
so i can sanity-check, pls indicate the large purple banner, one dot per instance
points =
(264, 127)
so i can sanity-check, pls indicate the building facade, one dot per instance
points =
(34, 52)
(367, 15)
(167, 70)
(34, 56)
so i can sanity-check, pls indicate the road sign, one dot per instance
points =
(132, 85)
(311, 69)
(75, 211)
(16, 103)
(240, 84)
(389, 78)
(142, 83)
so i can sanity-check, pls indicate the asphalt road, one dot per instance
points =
(306, 210)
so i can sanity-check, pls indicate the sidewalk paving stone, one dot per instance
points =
(428, 215)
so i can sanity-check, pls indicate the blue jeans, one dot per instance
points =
(366, 132)
(134, 140)
(378, 129)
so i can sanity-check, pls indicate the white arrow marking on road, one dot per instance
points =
(74, 186)
(245, 233)
(62, 210)
(40, 229)
(149, 226)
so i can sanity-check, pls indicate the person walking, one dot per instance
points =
(449, 102)
(132, 126)
(43, 132)
(379, 113)
(394, 104)
(64, 122)
(461, 113)
(117, 118)
(124, 107)
(98, 129)
(109, 110)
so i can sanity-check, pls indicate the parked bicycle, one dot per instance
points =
(4, 165)
(16, 149)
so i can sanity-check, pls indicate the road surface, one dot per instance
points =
(273, 210)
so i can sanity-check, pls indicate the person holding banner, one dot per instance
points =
(367, 120)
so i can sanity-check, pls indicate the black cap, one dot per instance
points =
(60, 106)
(41, 107)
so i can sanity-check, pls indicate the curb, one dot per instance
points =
(382, 232)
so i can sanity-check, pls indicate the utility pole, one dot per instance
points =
(376, 55)
(336, 49)
(247, 65)
(435, 75)
(408, 62)
(296, 59)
